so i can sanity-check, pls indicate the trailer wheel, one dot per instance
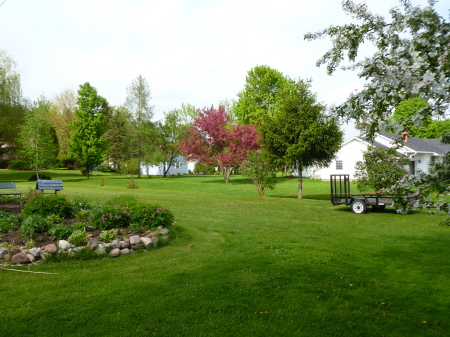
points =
(359, 207)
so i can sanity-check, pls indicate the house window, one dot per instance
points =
(339, 165)
(177, 165)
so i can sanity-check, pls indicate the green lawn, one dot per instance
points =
(273, 266)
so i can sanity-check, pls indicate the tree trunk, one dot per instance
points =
(226, 173)
(87, 171)
(300, 180)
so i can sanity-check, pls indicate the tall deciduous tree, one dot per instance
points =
(298, 133)
(37, 136)
(119, 128)
(62, 117)
(88, 144)
(412, 60)
(211, 139)
(11, 105)
(170, 133)
(259, 95)
(138, 103)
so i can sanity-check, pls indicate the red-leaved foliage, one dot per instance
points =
(213, 139)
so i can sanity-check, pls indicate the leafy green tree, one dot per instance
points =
(298, 133)
(380, 169)
(138, 103)
(259, 95)
(88, 144)
(11, 106)
(261, 169)
(405, 113)
(37, 136)
(119, 128)
(170, 132)
(62, 117)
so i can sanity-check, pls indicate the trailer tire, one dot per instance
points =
(359, 207)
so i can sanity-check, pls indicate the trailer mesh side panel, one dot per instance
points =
(340, 188)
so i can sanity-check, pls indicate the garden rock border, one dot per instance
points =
(114, 248)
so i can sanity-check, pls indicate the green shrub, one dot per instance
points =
(33, 224)
(48, 205)
(150, 216)
(107, 235)
(78, 204)
(8, 199)
(41, 177)
(83, 215)
(122, 214)
(53, 219)
(104, 168)
(9, 222)
(18, 164)
(60, 232)
(78, 238)
(135, 228)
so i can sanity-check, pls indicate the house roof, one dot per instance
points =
(413, 144)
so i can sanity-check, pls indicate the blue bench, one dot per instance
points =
(12, 190)
(52, 185)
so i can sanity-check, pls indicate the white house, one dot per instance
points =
(179, 166)
(421, 152)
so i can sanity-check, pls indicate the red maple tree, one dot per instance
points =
(213, 139)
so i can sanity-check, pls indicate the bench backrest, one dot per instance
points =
(8, 186)
(55, 185)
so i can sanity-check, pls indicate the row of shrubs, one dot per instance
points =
(45, 214)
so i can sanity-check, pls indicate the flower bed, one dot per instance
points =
(86, 231)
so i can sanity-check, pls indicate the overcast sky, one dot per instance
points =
(189, 51)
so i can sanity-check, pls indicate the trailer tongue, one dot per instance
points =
(340, 195)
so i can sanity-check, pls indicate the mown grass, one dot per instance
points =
(242, 265)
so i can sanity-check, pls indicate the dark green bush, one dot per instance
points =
(78, 204)
(41, 177)
(47, 205)
(18, 164)
(118, 213)
(60, 232)
(9, 222)
(33, 224)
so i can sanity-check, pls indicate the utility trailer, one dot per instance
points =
(340, 195)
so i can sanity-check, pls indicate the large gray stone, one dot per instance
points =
(146, 241)
(51, 248)
(114, 252)
(36, 252)
(124, 251)
(135, 240)
(164, 231)
(31, 257)
(20, 258)
(115, 243)
(63, 244)
(3, 252)
(124, 244)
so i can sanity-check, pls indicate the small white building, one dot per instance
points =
(421, 152)
(179, 166)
